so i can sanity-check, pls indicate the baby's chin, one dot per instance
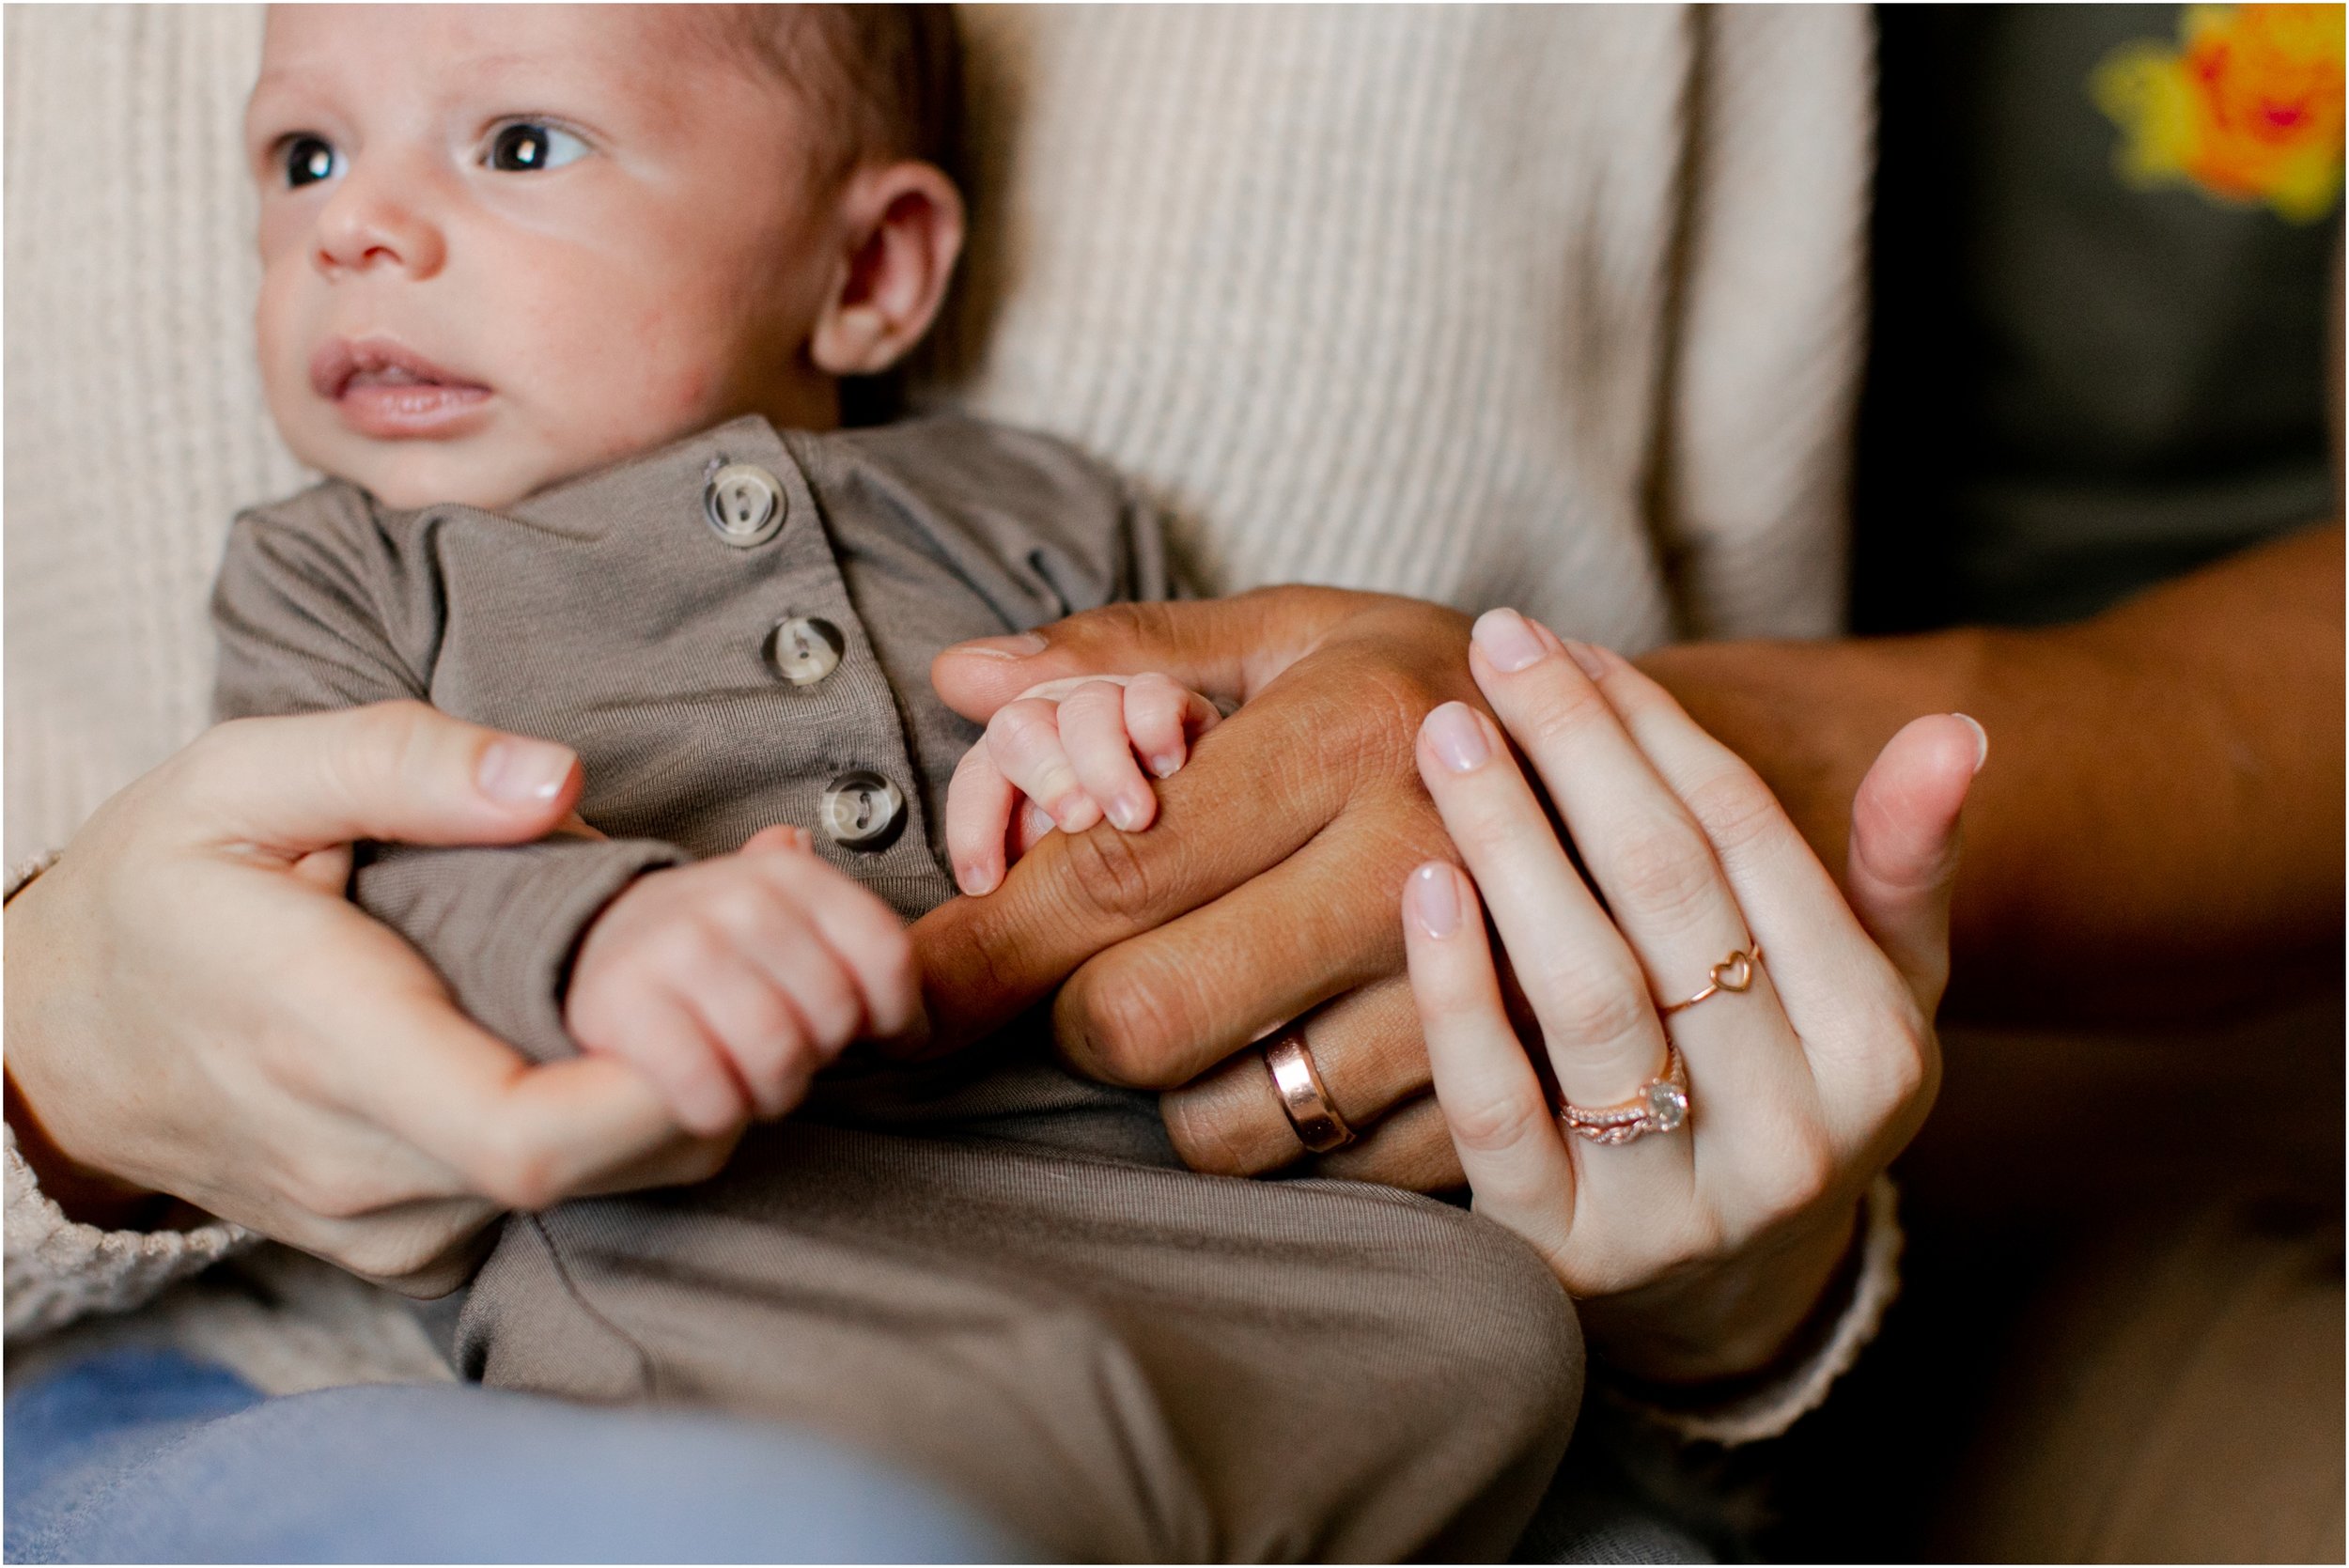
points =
(491, 475)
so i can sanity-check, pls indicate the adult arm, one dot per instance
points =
(194, 1008)
(2163, 832)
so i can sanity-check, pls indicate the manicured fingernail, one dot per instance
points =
(1458, 739)
(1506, 640)
(1165, 766)
(523, 772)
(1434, 902)
(1025, 645)
(1981, 738)
(1586, 658)
(1127, 813)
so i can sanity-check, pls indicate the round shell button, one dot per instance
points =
(862, 810)
(804, 649)
(745, 504)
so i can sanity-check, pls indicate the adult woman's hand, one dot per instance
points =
(1697, 1251)
(194, 1007)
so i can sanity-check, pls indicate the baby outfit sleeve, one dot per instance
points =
(322, 602)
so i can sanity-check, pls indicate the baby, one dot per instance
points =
(563, 300)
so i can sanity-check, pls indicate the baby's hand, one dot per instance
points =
(728, 983)
(1068, 747)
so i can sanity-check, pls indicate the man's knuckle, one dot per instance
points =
(1132, 1031)
(1113, 878)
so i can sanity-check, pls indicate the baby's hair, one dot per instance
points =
(884, 81)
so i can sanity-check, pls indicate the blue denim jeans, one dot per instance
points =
(148, 1456)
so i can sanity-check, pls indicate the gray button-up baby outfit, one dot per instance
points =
(989, 1270)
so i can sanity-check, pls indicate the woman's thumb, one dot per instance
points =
(1905, 844)
(401, 772)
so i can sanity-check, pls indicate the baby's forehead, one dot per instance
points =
(640, 50)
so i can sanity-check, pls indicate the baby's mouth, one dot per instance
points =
(383, 389)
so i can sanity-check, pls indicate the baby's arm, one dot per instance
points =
(1069, 749)
(730, 982)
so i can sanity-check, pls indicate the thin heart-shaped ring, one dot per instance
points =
(1732, 974)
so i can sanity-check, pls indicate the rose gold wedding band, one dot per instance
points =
(1732, 974)
(1303, 1096)
(1661, 1105)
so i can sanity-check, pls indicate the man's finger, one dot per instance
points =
(1164, 1006)
(1366, 1047)
(1411, 1149)
(1904, 843)
(1226, 647)
(1257, 788)
(401, 772)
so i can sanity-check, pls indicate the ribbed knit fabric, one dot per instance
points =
(1550, 306)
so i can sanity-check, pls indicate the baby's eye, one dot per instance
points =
(309, 160)
(528, 145)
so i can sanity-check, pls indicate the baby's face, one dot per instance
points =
(506, 245)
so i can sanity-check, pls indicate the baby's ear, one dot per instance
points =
(903, 232)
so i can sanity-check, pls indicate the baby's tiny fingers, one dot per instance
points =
(1024, 739)
(655, 1032)
(868, 947)
(1163, 718)
(1093, 732)
(979, 804)
(761, 1033)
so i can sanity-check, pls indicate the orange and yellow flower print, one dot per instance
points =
(2247, 106)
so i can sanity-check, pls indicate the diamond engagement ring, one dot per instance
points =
(1732, 974)
(1661, 1105)
(1303, 1098)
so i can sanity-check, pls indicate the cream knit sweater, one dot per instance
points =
(1551, 306)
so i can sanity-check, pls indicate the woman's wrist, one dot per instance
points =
(1732, 1323)
(86, 1195)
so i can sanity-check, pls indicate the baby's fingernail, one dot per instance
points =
(1076, 813)
(524, 772)
(1981, 738)
(1588, 659)
(1027, 645)
(1039, 821)
(1435, 902)
(970, 879)
(1507, 641)
(1129, 813)
(1457, 739)
(1165, 766)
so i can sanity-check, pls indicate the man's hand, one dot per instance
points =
(1265, 891)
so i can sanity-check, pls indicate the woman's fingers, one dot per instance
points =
(1584, 985)
(1905, 844)
(399, 770)
(1654, 863)
(1856, 1023)
(1493, 1102)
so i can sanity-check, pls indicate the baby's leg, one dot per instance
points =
(1117, 1361)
